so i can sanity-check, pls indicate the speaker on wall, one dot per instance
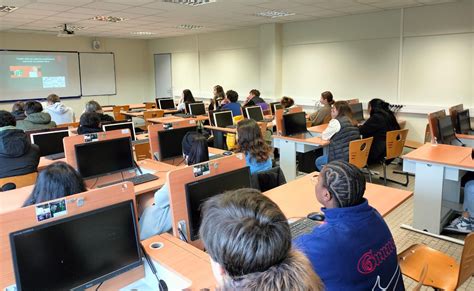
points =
(95, 45)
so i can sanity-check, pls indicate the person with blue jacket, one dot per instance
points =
(353, 249)
(156, 218)
(232, 104)
(250, 142)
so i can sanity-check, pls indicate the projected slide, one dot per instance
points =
(30, 75)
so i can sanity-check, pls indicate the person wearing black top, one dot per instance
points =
(380, 121)
(94, 106)
(254, 98)
(18, 110)
(89, 123)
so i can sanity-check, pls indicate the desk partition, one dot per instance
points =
(279, 118)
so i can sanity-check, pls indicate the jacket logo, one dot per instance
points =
(370, 260)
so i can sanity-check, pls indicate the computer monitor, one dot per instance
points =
(77, 252)
(464, 121)
(170, 142)
(121, 125)
(254, 112)
(274, 106)
(199, 191)
(294, 123)
(50, 142)
(223, 118)
(165, 103)
(197, 109)
(357, 111)
(104, 157)
(446, 130)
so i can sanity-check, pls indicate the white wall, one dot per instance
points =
(132, 64)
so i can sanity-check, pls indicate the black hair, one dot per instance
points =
(93, 106)
(188, 96)
(232, 96)
(379, 106)
(33, 107)
(195, 148)
(56, 181)
(90, 119)
(7, 119)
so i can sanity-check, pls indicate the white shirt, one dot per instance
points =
(333, 127)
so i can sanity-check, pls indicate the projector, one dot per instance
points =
(65, 32)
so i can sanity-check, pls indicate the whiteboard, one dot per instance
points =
(97, 74)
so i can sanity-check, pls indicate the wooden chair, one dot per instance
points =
(142, 151)
(442, 271)
(359, 153)
(20, 181)
(149, 105)
(116, 110)
(394, 147)
(353, 101)
(152, 114)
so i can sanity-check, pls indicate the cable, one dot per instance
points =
(121, 173)
(161, 283)
(98, 286)
(182, 236)
(95, 183)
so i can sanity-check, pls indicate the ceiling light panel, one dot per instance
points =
(113, 19)
(190, 2)
(143, 33)
(189, 26)
(7, 9)
(274, 14)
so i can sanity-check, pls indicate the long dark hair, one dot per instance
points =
(56, 181)
(195, 148)
(250, 140)
(188, 96)
(379, 106)
(343, 109)
(327, 95)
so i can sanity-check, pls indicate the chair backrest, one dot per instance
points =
(433, 123)
(116, 110)
(395, 143)
(20, 181)
(353, 101)
(427, 133)
(359, 151)
(149, 105)
(267, 180)
(466, 267)
(142, 151)
(152, 114)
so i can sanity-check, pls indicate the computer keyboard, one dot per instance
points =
(55, 156)
(136, 180)
(303, 226)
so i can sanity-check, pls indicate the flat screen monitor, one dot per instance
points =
(446, 130)
(49, 142)
(274, 106)
(77, 252)
(199, 191)
(223, 118)
(294, 123)
(254, 112)
(464, 121)
(121, 125)
(197, 109)
(165, 103)
(170, 142)
(357, 111)
(104, 157)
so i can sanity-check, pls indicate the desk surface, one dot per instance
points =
(465, 136)
(171, 119)
(132, 106)
(317, 140)
(318, 128)
(441, 154)
(297, 198)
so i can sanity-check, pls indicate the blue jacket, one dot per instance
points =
(156, 218)
(353, 250)
(234, 107)
(255, 166)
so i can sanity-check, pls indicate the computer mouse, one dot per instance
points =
(227, 153)
(318, 216)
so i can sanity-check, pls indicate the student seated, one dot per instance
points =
(353, 249)
(18, 110)
(219, 95)
(250, 142)
(35, 118)
(324, 112)
(233, 105)
(94, 107)
(17, 155)
(249, 241)
(287, 102)
(340, 131)
(59, 112)
(186, 98)
(254, 98)
(380, 121)
(56, 181)
(89, 123)
(156, 218)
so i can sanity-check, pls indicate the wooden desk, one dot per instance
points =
(290, 145)
(297, 198)
(172, 119)
(43, 162)
(132, 106)
(219, 133)
(183, 259)
(438, 171)
(318, 129)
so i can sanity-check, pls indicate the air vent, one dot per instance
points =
(190, 2)
(7, 9)
(274, 14)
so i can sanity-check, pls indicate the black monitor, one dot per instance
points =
(104, 157)
(199, 191)
(254, 112)
(357, 111)
(165, 103)
(50, 142)
(77, 252)
(446, 130)
(170, 142)
(274, 106)
(196, 108)
(294, 123)
(223, 118)
(464, 121)
(121, 125)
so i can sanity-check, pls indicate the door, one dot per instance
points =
(163, 81)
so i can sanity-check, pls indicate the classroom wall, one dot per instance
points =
(132, 64)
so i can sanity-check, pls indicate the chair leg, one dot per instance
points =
(384, 166)
(369, 173)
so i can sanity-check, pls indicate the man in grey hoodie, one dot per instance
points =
(59, 112)
(35, 118)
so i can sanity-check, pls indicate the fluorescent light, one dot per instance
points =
(274, 14)
(190, 26)
(7, 9)
(104, 18)
(190, 2)
(71, 27)
(143, 33)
